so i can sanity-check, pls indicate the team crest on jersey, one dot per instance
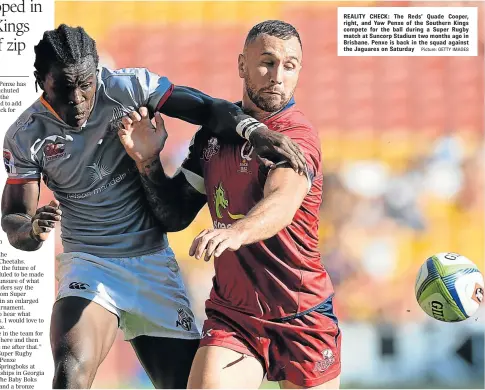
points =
(9, 162)
(53, 147)
(184, 320)
(212, 149)
(328, 359)
(477, 293)
(54, 151)
(246, 151)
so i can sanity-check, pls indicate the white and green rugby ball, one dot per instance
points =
(449, 287)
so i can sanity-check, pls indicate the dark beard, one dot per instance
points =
(264, 104)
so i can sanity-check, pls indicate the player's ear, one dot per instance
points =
(241, 65)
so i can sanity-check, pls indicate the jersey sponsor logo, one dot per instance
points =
(114, 181)
(212, 149)
(9, 162)
(222, 203)
(328, 359)
(477, 293)
(51, 152)
(98, 171)
(220, 225)
(246, 151)
(184, 319)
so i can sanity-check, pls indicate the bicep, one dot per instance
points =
(290, 187)
(21, 198)
(307, 139)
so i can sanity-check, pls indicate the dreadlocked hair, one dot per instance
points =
(63, 46)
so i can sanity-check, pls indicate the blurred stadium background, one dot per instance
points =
(403, 151)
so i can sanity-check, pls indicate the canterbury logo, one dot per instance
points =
(38, 144)
(78, 286)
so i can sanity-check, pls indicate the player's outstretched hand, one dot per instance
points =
(45, 219)
(141, 139)
(270, 145)
(215, 242)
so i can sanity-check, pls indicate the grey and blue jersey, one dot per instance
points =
(97, 184)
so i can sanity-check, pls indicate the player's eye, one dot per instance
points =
(269, 63)
(289, 66)
(86, 85)
(62, 91)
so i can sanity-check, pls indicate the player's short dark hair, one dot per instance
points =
(274, 28)
(63, 46)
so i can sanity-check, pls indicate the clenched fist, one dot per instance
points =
(45, 219)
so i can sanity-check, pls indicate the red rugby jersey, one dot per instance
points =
(282, 275)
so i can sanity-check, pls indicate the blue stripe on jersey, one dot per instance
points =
(290, 104)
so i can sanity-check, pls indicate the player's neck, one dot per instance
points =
(251, 109)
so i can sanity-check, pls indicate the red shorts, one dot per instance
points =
(303, 350)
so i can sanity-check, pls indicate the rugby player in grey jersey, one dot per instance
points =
(117, 269)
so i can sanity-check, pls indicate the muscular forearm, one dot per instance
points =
(171, 201)
(19, 232)
(265, 220)
(196, 107)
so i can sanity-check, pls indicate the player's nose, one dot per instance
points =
(76, 97)
(277, 75)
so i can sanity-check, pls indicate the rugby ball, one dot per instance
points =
(449, 287)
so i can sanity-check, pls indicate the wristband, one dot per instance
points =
(250, 130)
(247, 126)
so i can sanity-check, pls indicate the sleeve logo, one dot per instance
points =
(9, 162)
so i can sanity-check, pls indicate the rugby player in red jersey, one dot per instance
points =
(270, 308)
(117, 269)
